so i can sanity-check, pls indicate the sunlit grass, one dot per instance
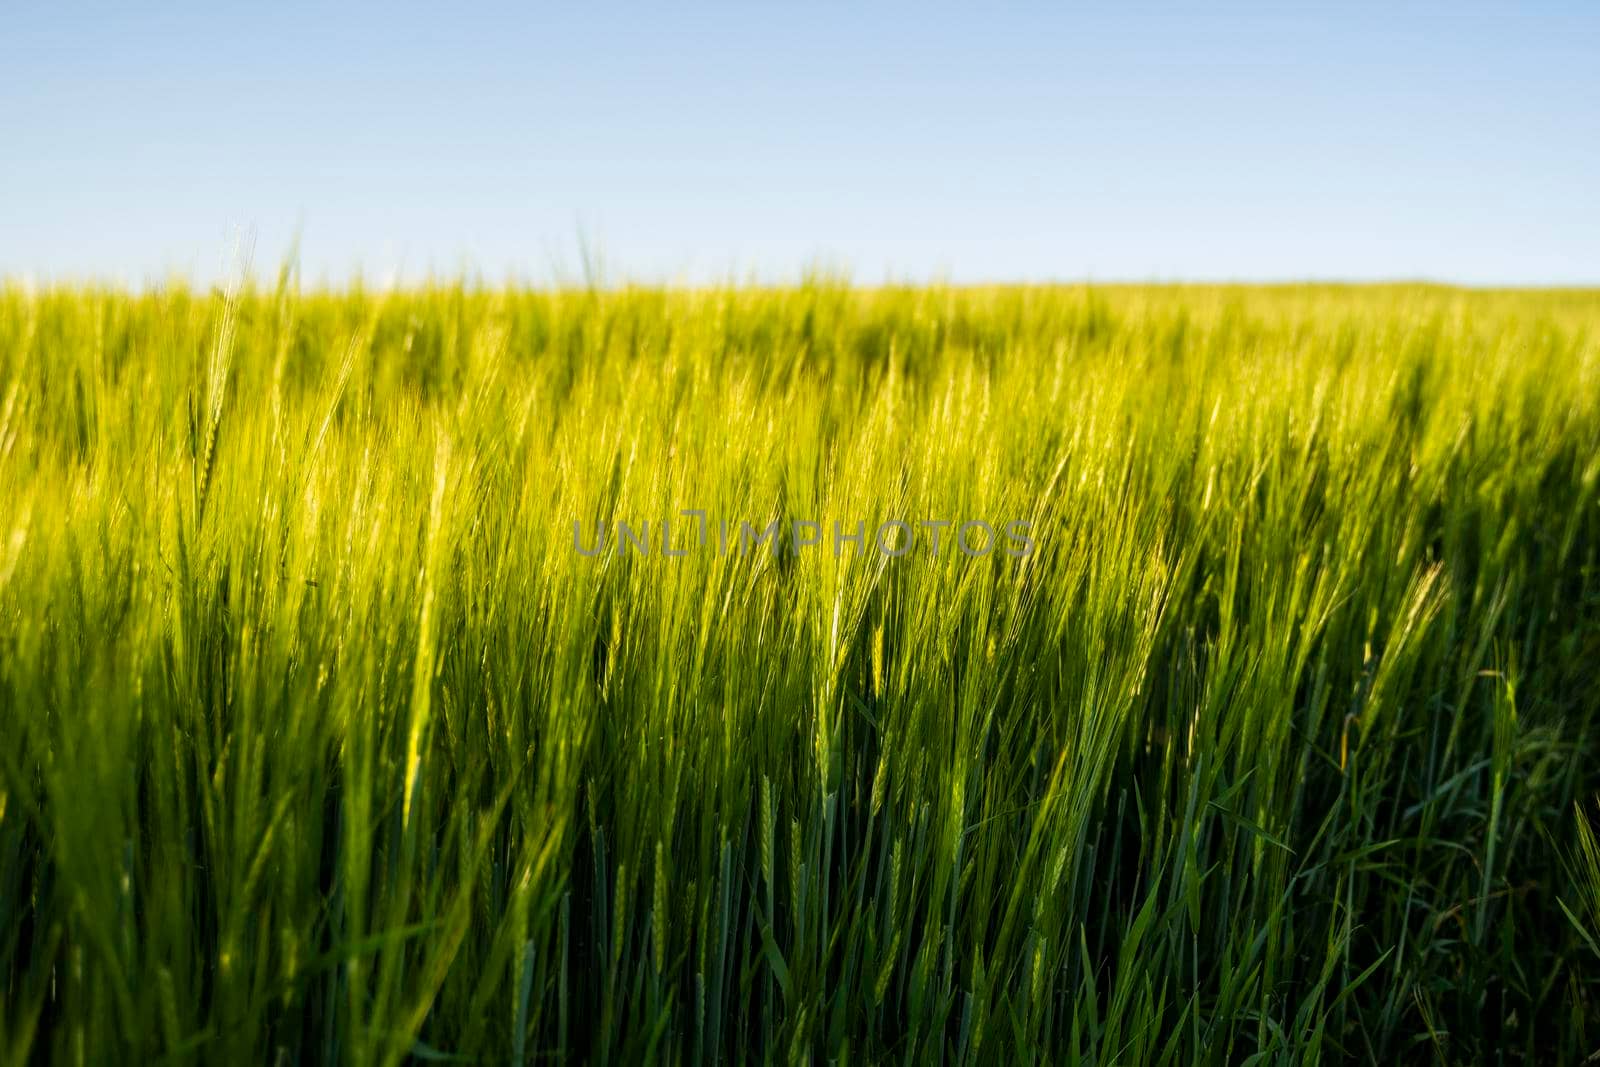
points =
(319, 742)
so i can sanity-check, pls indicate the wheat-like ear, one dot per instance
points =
(216, 392)
(203, 464)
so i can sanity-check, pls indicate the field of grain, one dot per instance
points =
(333, 729)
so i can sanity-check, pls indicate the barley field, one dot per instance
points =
(1247, 712)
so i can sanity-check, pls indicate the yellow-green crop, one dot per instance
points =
(319, 742)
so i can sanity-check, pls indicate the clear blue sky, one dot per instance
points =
(751, 140)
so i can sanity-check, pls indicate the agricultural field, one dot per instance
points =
(471, 675)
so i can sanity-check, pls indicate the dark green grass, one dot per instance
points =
(319, 743)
